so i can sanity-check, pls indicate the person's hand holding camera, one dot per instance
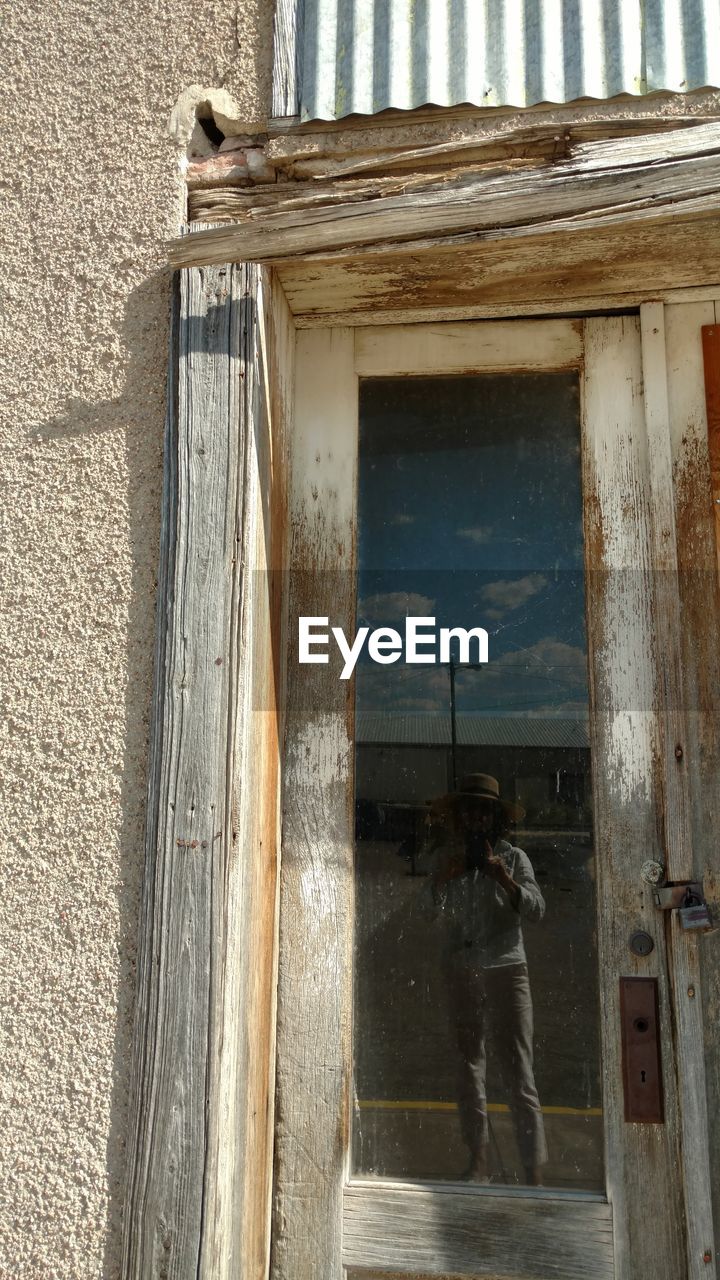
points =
(495, 868)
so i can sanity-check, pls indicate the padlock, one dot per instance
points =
(694, 912)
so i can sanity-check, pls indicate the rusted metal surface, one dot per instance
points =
(336, 58)
(711, 361)
(642, 1070)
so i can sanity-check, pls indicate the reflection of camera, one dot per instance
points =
(476, 849)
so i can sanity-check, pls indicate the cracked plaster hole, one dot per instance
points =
(210, 129)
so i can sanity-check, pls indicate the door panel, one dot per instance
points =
(452, 1229)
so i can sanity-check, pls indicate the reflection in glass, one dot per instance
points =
(476, 1025)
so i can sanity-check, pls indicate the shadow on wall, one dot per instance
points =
(135, 422)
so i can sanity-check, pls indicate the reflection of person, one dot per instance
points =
(485, 888)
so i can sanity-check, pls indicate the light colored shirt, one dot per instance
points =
(478, 914)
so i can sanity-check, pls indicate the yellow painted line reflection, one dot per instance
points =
(393, 1104)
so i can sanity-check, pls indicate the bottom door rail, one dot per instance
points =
(422, 1231)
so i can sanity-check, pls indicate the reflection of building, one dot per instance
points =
(542, 763)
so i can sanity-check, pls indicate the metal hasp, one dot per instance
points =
(670, 897)
(688, 899)
(642, 1071)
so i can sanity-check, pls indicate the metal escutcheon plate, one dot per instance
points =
(641, 943)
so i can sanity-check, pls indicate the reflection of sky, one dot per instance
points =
(470, 510)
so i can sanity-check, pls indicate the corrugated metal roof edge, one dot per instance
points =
(362, 58)
(426, 110)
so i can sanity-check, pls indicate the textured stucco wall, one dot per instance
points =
(90, 190)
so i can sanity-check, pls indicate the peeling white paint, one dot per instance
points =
(629, 756)
(319, 754)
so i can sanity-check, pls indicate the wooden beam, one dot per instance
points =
(544, 270)
(552, 133)
(229, 203)
(558, 305)
(594, 154)
(198, 1187)
(660, 170)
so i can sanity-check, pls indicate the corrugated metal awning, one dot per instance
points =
(472, 731)
(368, 55)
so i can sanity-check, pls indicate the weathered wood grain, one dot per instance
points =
(531, 137)
(673, 763)
(316, 921)
(672, 785)
(624, 663)
(691, 1030)
(202, 1051)
(660, 169)
(685, 327)
(711, 355)
(241, 1089)
(530, 145)
(233, 202)
(287, 49)
(626, 217)
(390, 350)
(443, 1232)
(540, 271)
(560, 304)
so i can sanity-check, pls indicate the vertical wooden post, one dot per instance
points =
(642, 1159)
(697, 968)
(316, 921)
(711, 361)
(672, 742)
(199, 1159)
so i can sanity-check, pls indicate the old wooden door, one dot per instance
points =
(516, 478)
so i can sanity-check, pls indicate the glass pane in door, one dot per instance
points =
(476, 1036)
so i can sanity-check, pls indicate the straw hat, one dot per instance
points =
(482, 786)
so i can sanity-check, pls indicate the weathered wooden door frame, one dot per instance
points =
(200, 1162)
(641, 808)
(200, 1146)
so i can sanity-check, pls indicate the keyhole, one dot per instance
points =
(642, 1077)
(641, 1024)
